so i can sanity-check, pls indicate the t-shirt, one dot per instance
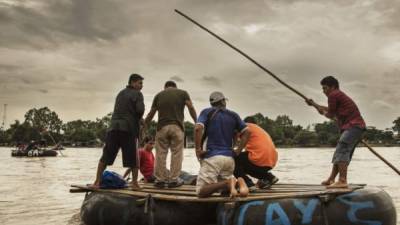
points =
(221, 130)
(261, 148)
(170, 104)
(146, 163)
(128, 110)
(345, 110)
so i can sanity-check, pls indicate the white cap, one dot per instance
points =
(216, 96)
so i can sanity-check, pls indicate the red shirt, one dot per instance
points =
(146, 163)
(345, 110)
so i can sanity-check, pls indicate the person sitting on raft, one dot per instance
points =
(219, 125)
(146, 161)
(258, 159)
(31, 146)
(351, 124)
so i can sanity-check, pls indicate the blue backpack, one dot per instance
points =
(112, 180)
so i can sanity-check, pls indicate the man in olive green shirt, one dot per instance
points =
(170, 104)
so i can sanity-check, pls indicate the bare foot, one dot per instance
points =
(243, 189)
(135, 185)
(327, 182)
(232, 187)
(338, 184)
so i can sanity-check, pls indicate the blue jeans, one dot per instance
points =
(346, 145)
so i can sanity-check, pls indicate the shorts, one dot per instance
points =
(115, 140)
(346, 145)
(214, 169)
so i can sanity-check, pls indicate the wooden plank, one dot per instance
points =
(269, 190)
(216, 198)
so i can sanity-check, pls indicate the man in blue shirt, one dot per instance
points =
(219, 126)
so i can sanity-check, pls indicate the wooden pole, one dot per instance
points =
(380, 157)
(275, 77)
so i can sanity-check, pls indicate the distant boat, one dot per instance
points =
(34, 153)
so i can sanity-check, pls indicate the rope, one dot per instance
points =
(149, 209)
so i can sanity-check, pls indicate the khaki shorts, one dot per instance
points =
(215, 169)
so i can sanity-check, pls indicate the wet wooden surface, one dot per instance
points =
(187, 193)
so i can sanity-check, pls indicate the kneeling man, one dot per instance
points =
(219, 125)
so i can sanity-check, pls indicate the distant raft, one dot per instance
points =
(286, 204)
(34, 153)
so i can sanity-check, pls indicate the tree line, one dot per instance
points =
(44, 123)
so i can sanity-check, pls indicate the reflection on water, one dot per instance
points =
(36, 190)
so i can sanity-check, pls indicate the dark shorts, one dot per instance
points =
(115, 140)
(346, 145)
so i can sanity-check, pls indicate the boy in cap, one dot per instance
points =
(219, 125)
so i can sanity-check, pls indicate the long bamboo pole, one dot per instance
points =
(276, 78)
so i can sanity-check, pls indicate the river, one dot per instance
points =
(36, 190)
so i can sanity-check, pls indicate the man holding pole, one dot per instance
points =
(342, 109)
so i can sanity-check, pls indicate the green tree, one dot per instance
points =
(101, 126)
(4, 137)
(80, 130)
(327, 132)
(189, 130)
(306, 138)
(396, 126)
(22, 132)
(386, 136)
(45, 121)
(372, 134)
(152, 129)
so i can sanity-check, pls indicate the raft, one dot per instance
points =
(286, 204)
(34, 153)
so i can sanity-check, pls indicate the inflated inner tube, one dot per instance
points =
(363, 206)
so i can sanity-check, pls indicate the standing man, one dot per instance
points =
(220, 126)
(342, 109)
(124, 130)
(258, 159)
(170, 104)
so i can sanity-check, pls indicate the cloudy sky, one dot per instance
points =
(75, 55)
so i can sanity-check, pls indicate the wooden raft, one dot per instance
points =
(187, 193)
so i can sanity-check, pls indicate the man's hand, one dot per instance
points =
(321, 110)
(200, 153)
(237, 151)
(310, 102)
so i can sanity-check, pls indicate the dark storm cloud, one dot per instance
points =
(210, 80)
(177, 79)
(390, 16)
(43, 91)
(81, 52)
(5, 68)
(52, 23)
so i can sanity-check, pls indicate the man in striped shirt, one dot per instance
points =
(342, 109)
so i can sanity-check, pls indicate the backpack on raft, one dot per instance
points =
(112, 180)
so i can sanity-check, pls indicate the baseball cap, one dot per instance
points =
(217, 96)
